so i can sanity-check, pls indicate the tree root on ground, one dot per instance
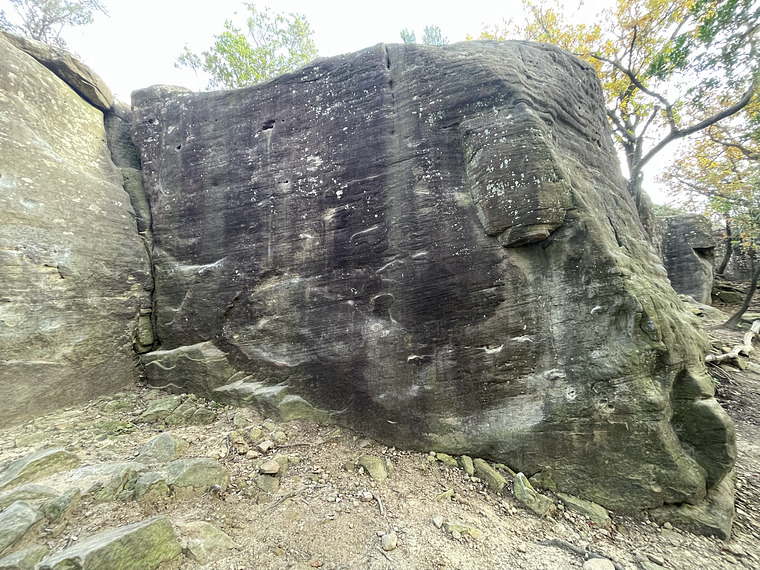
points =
(582, 552)
(743, 349)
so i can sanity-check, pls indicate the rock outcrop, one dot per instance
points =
(688, 250)
(435, 244)
(75, 272)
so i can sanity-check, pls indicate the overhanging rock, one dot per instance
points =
(436, 244)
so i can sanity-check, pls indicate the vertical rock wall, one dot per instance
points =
(436, 245)
(74, 272)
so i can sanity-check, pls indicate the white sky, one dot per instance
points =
(137, 44)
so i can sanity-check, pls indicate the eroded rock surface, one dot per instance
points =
(437, 245)
(688, 249)
(75, 272)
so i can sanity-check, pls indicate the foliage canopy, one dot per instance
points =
(274, 44)
(669, 68)
(45, 20)
(431, 36)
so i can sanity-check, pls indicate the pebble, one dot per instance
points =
(389, 541)
(270, 467)
(438, 522)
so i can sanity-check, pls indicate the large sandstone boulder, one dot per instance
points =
(688, 250)
(437, 245)
(74, 271)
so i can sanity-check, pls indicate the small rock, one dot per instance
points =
(495, 481)
(279, 437)
(162, 449)
(438, 522)
(265, 446)
(268, 483)
(596, 513)
(240, 421)
(159, 409)
(270, 467)
(467, 465)
(365, 496)
(202, 417)
(447, 459)
(196, 474)
(374, 466)
(461, 529)
(389, 541)
(283, 462)
(598, 564)
(203, 542)
(528, 496)
(445, 495)
(182, 414)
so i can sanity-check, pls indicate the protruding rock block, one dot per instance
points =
(145, 545)
(688, 249)
(436, 245)
(75, 272)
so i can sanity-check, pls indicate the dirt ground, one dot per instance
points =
(327, 514)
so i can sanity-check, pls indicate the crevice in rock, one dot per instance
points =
(124, 154)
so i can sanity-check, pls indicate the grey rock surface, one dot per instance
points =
(143, 545)
(35, 466)
(24, 559)
(204, 542)
(75, 273)
(83, 80)
(688, 248)
(162, 449)
(529, 497)
(28, 493)
(196, 474)
(438, 245)
(15, 522)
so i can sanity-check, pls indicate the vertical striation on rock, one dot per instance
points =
(73, 271)
(436, 244)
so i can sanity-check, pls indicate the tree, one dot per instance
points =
(275, 44)
(431, 36)
(45, 20)
(669, 68)
(408, 37)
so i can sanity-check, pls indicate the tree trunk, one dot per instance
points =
(734, 320)
(729, 250)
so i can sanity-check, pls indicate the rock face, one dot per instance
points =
(688, 249)
(436, 244)
(74, 271)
